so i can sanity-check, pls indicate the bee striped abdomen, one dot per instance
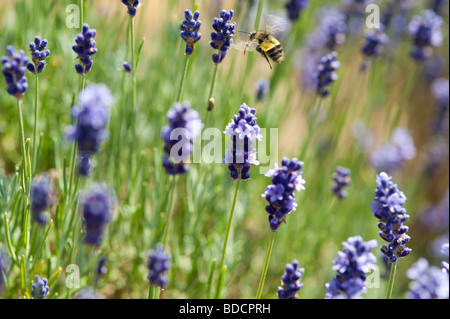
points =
(276, 53)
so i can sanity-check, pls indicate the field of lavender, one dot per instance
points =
(142, 155)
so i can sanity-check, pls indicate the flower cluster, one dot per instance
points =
(127, 67)
(41, 198)
(132, 6)
(290, 282)
(352, 265)
(391, 155)
(91, 116)
(184, 126)
(38, 53)
(374, 43)
(330, 33)
(85, 48)
(244, 132)
(14, 69)
(388, 209)
(326, 73)
(426, 33)
(341, 179)
(189, 30)
(97, 207)
(427, 282)
(262, 87)
(158, 265)
(295, 7)
(39, 288)
(223, 37)
(280, 194)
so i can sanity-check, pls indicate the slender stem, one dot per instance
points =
(36, 114)
(311, 125)
(132, 126)
(81, 13)
(391, 280)
(213, 86)
(22, 145)
(227, 235)
(169, 212)
(259, 13)
(73, 160)
(266, 267)
(180, 90)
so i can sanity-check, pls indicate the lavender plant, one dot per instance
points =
(352, 266)
(39, 288)
(132, 6)
(91, 116)
(97, 206)
(85, 48)
(341, 179)
(425, 31)
(291, 281)
(427, 282)
(41, 198)
(184, 126)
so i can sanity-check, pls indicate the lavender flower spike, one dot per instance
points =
(184, 126)
(91, 116)
(280, 194)
(39, 288)
(352, 265)
(132, 6)
(426, 33)
(291, 281)
(14, 69)
(244, 132)
(39, 53)
(85, 48)
(41, 198)
(388, 209)
(326, 73)
(341, 179)
(97, 207)
(222, 38)
(427, 282)
(189, 30)
(295, 7)
(158, 265)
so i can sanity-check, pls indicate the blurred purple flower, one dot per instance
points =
(428, 282)
(426, 33)
(352, 265)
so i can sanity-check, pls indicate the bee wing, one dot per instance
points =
(276, 25)
(244, 44)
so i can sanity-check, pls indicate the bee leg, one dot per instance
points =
(267, 59)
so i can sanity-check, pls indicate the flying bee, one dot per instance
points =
(264, 41)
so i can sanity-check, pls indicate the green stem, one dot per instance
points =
(227, 235)
(391, 280)
(36, 114)
(259, 13)
(22, 145)
(213, 86)
(180, 90)
(266, 267)
(169, 212)
(132, 126)
(311, 125)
